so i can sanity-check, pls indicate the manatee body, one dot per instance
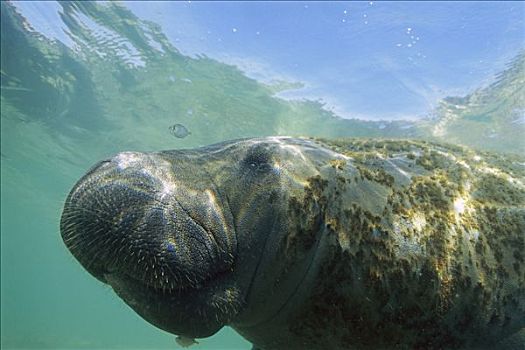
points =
(312, 244)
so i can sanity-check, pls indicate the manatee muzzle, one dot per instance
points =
(131, 217)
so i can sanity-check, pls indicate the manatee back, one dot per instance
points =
(425, 248)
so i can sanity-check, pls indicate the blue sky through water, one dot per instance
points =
(371, 60)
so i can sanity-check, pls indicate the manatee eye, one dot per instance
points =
(257, 159)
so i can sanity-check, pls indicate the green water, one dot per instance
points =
(63, 109)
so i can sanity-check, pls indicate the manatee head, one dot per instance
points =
(190, 238)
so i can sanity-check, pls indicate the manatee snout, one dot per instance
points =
(153, 227)
(135, 223)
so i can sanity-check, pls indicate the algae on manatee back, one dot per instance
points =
(446, 241)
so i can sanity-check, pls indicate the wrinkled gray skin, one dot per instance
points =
(193, 240)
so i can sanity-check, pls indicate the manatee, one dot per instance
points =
(311, 243)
